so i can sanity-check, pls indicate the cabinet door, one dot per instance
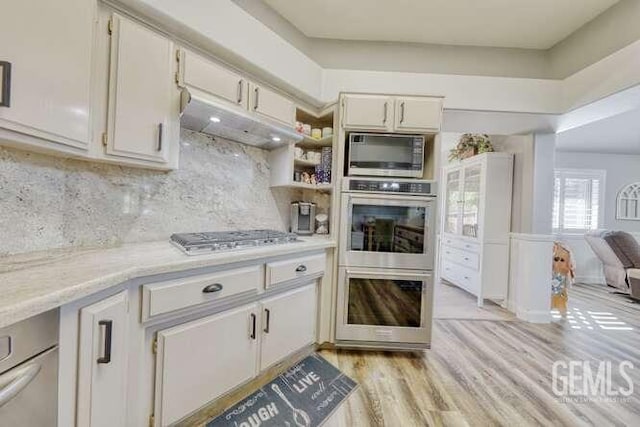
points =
(272, 105)
(471, 200)
(453, 200)
(202, 74)
(418, 114)
(49, 46)
(200, 360)
(141, 87)
(367, 112)
(102, 369)
(289, 324)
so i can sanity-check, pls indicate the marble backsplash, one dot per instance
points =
(48, 202)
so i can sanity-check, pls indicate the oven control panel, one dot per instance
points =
(398, 186)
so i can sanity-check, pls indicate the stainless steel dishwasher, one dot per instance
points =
(29, 372)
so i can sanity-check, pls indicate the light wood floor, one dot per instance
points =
(490, 373)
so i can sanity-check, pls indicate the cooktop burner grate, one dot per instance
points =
(216, 241)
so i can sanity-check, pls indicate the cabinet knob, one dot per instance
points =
(301, 268)
(209, 289)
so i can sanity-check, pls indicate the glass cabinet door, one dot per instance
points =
(471, 201)
(452, 203)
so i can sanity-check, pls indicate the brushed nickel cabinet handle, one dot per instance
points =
(108, 324)
(215, 287)
(5, 83)
(386, 108)
(301, 268)
(160, 129)
(240, 91)
(402, 112)
(257, 98)
(267, 312)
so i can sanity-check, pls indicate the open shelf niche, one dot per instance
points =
(288, 167)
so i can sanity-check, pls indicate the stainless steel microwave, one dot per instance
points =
(372, 154)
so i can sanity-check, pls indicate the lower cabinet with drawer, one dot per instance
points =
(153, 350)
(480, 269)
(201, 360)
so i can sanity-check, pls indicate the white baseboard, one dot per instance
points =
(597, 280)
(534, 316)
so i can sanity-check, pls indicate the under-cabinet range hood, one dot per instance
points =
(203, 114)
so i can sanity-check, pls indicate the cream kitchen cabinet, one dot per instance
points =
(102, 364)
(367, 112)
(418, 114)
(143, 98)
(200, 74)
(49, 46)
(409, 114)
(267, 103)
(201, 360)
(289, 324)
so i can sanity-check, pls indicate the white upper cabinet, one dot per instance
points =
(409, 114)
(201, 74)
(49, 46)
(102, 369)
(272, 105)
(143, 108)
(362, 112)
(418, 114)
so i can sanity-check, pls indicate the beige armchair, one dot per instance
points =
(619, 253)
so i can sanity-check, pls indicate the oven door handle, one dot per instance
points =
(16, 380)
(351, 273)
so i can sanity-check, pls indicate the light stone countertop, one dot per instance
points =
(31, 284)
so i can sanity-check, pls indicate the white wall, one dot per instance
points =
(543, 164)
(622, 169)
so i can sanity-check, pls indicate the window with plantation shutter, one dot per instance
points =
(578, 200)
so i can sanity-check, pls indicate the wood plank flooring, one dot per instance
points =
(496, 373)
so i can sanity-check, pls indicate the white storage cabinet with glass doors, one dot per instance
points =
(476, 222)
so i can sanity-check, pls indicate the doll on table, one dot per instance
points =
(563, 277)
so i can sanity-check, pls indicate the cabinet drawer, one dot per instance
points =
(282, 271)
(448, 270)
(463, 277)
(160, 298)
(461, 244)
(465, 258)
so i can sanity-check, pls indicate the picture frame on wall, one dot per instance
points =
(5, 84)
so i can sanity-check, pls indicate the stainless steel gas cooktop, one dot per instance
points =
(216, 241)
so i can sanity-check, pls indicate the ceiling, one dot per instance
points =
(619, 134)
(532, 24)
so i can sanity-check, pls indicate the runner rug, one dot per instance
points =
(304, 396)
